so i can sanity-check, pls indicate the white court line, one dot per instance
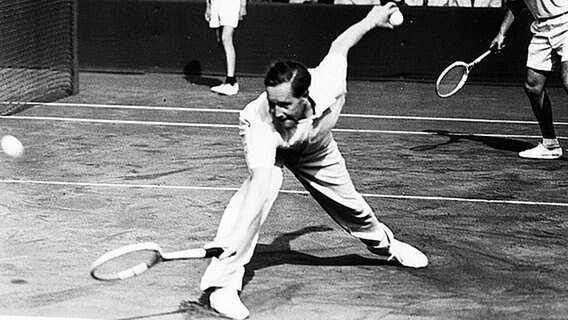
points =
(229, 126)
(133, 107)
(369, 195)
(203, 125)
(345, 115)
(6, 317)
(443, 119)
(150, 123)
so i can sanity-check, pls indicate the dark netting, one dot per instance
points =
(38, 52)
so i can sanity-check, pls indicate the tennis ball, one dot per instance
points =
(12, 146)
(396, 18)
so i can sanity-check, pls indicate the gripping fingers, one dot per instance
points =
(227, 253)
(219, 251)
(497, 47)
(379, 15)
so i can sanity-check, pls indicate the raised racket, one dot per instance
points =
(454, 77)
(132, 260)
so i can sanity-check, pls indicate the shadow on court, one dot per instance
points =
(193, 73)
(279, 252)
(187, 310)
(276, 253)
(493, 142)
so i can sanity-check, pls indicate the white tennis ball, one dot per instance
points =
(12, 146)
(396, 18)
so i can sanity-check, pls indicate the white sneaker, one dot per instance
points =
(226, 301)
(542, 152)
(404, 253)
(226, 89)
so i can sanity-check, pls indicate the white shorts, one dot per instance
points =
(225, 13)
(549, 44)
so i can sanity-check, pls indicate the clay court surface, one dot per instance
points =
(136, 158)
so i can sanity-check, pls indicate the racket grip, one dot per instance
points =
(213, 252)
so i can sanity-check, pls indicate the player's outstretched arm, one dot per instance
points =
(377, 17)
(513, 9)
(255, 196)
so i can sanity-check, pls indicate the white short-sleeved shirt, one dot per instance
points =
(544, 9)
(327, 90)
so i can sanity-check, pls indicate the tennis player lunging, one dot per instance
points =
(290, 124)
(547, 52)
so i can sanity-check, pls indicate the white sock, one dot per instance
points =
(550, 143)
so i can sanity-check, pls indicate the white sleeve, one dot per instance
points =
(329, 81)
(259, 144)
(259, 138)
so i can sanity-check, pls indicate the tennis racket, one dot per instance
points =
(132, 260)
(453, 78)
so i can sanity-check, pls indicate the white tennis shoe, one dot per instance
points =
(542, 152)
(226, 301)
(401, 252)
(226, 89)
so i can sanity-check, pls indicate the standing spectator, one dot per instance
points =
(223, 16)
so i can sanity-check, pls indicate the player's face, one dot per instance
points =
(285, 109)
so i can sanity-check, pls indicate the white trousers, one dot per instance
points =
(325, 176)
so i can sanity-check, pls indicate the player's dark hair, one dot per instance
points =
(291, 71)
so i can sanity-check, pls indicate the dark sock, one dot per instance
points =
(231, 80)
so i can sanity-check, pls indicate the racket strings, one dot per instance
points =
(451, 80)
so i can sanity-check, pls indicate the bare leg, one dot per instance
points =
(540, 104)
(564, 75)
(226, 40)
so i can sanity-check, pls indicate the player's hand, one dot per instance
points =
(242, 12)
(227, 251)
(379, 15)
(207, 14)
(498, 43)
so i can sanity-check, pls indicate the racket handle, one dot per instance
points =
(481, 57)
(213, 252)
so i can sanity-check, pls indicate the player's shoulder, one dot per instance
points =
(333, 67)
(332, 60)
(256, 110)
(329, 81)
